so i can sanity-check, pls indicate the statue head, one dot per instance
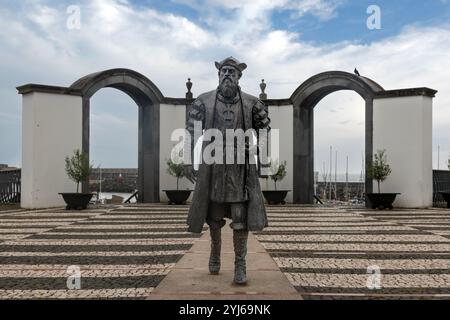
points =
(230, 71)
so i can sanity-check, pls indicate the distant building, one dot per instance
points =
(5, 167)
(114, 180)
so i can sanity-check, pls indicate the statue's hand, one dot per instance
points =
(190, 173)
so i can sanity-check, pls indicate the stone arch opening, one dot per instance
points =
(304, 99)
(148, 98)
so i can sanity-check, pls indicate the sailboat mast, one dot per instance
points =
(335, 176)
(346, 182)
(331, 171)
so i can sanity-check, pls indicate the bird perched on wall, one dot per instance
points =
(357, 72)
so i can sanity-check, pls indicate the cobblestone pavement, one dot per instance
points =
(125, 251)
(330, 253)
(121, 251)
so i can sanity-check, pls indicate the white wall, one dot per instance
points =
(403, 126)
(172, 117)
(51, 130)
(282, 119)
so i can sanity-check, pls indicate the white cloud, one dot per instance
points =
(36, 46)
(323, 9)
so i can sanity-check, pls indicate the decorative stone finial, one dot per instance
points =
(263, 95)
(189, 87)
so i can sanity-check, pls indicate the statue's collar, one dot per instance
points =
(221, 98)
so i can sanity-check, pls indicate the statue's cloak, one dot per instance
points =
(256, 117)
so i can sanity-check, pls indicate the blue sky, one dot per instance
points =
(282, 41)
(348, 22)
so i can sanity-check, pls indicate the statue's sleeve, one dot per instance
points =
(196, 114)
(261, 121)
(261, 118)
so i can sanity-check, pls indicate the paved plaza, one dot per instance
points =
(326, 252)
(127, 251)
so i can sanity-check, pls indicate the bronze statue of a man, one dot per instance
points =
(226, 190)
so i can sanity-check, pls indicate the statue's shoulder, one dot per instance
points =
(251, 100)
(206, 98)
(248, 97)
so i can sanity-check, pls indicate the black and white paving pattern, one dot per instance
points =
(120, 252)
(330, 253)
(124, 252)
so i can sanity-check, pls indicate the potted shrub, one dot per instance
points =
(446, 194)
(178, 171)
(78, 169)
(277, 196)
(379, 170)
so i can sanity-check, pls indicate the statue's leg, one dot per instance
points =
(240, 236)
(216, 222)
(239, 216)
(240, 250)
(216, 244)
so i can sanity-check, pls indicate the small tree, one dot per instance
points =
(176, 170)
(78, 168)
(379, 169)
(280, 173)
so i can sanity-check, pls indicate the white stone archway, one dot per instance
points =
(55, 121)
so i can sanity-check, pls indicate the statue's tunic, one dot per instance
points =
(256, 117)
(227, 180)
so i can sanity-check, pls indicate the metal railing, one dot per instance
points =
(10, 186)
(441, 182)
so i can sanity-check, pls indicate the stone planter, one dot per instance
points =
(382, 201)
(275, 197)
(76, 201)
(177, 196)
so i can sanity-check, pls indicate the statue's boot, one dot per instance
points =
(240, 250)
(214, 258)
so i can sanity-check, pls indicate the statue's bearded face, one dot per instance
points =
(229, 81)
